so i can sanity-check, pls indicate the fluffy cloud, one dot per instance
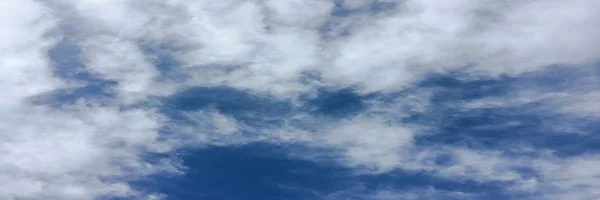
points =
(123, 62)
(78, 151)
(257, 47)
(284, 50)
(491, 38)
(371, 143)
(24, 66)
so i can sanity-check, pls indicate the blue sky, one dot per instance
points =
(299, 100)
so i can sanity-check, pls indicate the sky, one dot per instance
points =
(299, 99)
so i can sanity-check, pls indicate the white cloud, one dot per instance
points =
(359, 193)
(84, 151)
(572, 178)
(23, 43)
(371, 143)
(418, 194)
(267, 51)
(210, 126)
(482, 166)
(122, 61)
(77, 153)
(584, 104)
(301, 13)
(80, 151)
(255, 46)
(495, 38)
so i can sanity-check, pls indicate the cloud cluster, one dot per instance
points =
(255, 46)
(79, 151)
(285, 50)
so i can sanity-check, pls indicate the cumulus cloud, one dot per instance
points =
(371, 143)
(79, 151)
(24, 66)
(492, 38)
(283, 50)
(121, 61)
(257, 47)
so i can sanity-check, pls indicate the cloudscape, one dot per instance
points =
(299, 99)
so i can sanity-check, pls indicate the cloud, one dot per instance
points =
(123, 62)
(359, 193)
(287, 50)
(77, 153)
(307, 14)
(370, 143)
(80, 151)
(256, 47)
(491, 38)
(24, 66)
(570, 178)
